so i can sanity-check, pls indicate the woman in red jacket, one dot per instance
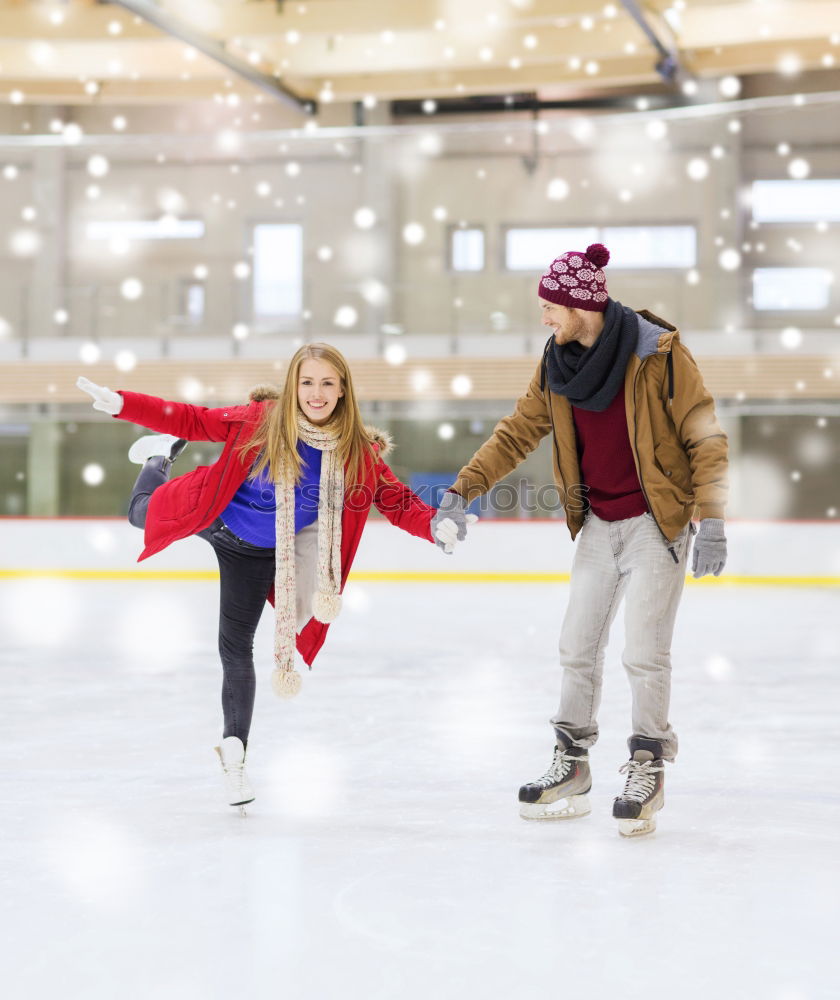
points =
(284, 507)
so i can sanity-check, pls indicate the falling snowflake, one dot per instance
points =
(461, 385)
(799, 168)
(131, 289)
(729, 259)
(345, 316)
(790, 338)
(413, 233)
(697, 169)
(395, 354)
(374, 292)
(125, 360)
(557, 189)
(93, 474)
(190, 389)
(25, 242)
(789, 65)
(72, 134)
(718, 667)
(364, 218)
(90, 353)
(729, 86)
(421, 380)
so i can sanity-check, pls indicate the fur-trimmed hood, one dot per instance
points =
(382, 439)
(262, 392)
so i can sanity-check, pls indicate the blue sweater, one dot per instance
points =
(250, 514)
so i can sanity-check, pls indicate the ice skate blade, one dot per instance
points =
(567, 808)
(636, 827)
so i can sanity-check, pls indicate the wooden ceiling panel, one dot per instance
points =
(413, 49)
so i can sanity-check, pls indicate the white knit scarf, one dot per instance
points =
(326, 602)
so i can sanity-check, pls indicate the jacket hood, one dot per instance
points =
(382, 439)
(655, 335)
(262, 392)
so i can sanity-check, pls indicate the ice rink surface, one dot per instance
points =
(384, 857)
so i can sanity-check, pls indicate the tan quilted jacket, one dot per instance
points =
(678, 446)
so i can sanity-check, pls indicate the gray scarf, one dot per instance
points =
(590, 377)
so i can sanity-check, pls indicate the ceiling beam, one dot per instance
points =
(661, 39)
(215, 50)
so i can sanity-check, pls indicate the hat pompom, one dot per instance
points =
(598, 254)
(285, 683)
(325, 607)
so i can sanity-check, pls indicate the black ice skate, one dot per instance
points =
(644, 791)
(561, 793)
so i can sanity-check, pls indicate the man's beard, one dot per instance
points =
(570, 331)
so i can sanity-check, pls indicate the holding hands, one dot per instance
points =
(449, 525)
(103, 399)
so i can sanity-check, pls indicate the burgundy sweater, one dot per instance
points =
(606, 462)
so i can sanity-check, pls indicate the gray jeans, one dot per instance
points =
(616, 559)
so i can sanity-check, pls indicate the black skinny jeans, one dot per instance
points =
(246, 573)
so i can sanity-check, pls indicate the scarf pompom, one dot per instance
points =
(285, 683)
(325, 607)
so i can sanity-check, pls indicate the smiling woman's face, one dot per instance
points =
(318, 390)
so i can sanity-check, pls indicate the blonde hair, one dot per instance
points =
(276, 434)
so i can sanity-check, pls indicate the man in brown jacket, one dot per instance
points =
(637, 450)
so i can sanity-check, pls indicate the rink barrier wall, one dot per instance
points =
(763, 553)
(199, 576)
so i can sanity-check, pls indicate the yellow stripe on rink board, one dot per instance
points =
(108, 574)
(396, 576)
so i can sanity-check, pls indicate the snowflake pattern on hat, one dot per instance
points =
(577, 279)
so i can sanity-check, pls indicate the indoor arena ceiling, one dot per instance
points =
(439, 51)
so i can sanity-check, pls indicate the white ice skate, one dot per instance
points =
(232, 755)
(150, 445)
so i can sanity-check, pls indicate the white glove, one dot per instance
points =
(103, 399)
(446, 532)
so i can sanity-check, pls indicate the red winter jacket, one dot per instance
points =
(190, 503)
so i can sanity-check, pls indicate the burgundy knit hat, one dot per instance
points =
(576, 280)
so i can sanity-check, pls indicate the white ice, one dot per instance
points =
(384, 857)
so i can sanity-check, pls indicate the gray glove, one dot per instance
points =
(450, 521)
(709, 548)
